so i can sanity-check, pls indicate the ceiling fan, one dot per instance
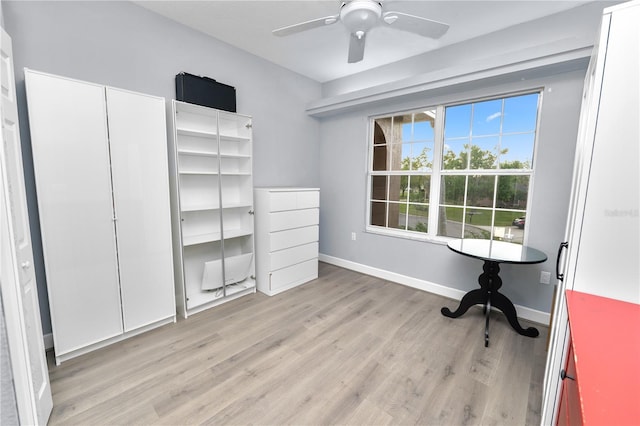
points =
(360, 16)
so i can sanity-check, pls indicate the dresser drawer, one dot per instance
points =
(293, 219)
(287, 257)
(292, 237)
(293, 275)
(293, 200)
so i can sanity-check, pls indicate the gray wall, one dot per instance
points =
(123, 45)
(344, 150)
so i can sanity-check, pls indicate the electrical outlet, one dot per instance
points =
(545, 277)
(353, 236)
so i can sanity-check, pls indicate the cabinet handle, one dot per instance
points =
(563, 246)
(564, 375)
(251, 212)
(25, 264)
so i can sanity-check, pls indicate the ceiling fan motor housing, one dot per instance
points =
(359, 16)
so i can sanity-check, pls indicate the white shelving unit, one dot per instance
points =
(212, 204)
(287, 237)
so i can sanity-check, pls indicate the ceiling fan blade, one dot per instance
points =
(356, 48)
(415, 24)
(304, 26)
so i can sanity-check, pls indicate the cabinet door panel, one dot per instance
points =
(137, 134)
(71, 164)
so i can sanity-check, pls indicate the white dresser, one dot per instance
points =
(286, 237)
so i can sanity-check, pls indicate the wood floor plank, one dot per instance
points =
(346, 348)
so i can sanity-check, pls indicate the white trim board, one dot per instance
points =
(524, 312)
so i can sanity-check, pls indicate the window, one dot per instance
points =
(457, 171)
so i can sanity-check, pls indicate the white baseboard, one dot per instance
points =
(48, 341)
(524, 312)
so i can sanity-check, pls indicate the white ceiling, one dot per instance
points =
(321, 53)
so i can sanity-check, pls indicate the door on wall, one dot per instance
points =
(17, 276)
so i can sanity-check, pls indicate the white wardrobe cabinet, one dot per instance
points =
(600, 249)
(286, 237)
(212, 202)
(100, 163)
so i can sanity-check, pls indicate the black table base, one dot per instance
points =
(489, 296)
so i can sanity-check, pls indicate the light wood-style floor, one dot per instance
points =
(344, 349)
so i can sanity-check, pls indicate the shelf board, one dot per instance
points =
(200, 172)
(197, 153)
(236, 173)
(192, 240)
(195, 132)
(194, 208)
(235, 233)
(237, 204)
(231, 138)
(235, 156)
(202, 153)
(211, 135)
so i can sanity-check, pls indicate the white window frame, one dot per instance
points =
(436, 172)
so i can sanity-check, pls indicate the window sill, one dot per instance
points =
(414, 236)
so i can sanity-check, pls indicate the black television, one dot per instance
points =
(205, 91)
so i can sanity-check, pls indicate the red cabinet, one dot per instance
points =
(601, 384)
(570, 412)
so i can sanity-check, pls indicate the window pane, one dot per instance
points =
(509, 226)
(398, 216)
(520, 113)
(379, 187)
(450, 222)
(423, 126)
(484, 153)
(457, 122)
(378, 213)
(421, 156)
(398, 154)
(517, 151)
(380, 157)
(381, 130)
(512, 192)
(452, 190)
(487, 117)
(480, 191)
(419, 187)
(418, 217)
(478, 217)
(387, 130)
(398, 188)
(455, 154)
(474, 231)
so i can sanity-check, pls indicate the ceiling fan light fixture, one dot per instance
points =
(359, 16)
